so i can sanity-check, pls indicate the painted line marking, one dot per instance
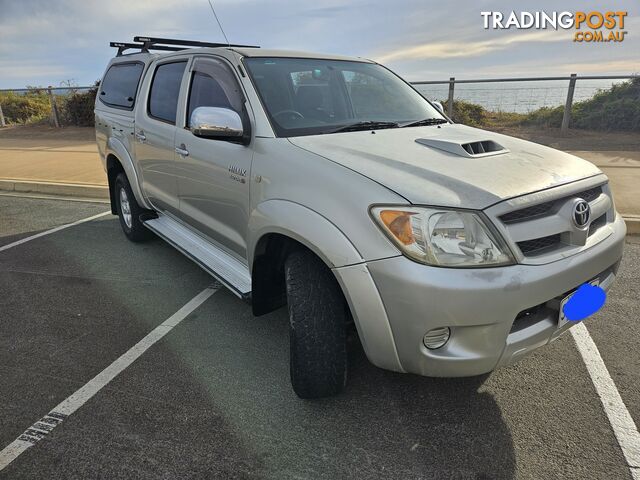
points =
(623, 425)
(53, 230)
(45, 196)
(55, 417)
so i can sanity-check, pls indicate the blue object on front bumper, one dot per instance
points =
(587, 300)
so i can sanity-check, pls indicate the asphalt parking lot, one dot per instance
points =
(211, 399)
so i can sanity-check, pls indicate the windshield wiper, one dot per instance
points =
(425, 121)
(367, 125)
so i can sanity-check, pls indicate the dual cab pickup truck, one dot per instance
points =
(330, 185)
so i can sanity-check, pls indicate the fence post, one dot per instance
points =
(566, 117)
(452, 82)
(54, 109)
(2, 123)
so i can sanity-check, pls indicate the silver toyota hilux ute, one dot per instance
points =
(328, 184)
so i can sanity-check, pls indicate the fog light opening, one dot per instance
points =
(436, 337)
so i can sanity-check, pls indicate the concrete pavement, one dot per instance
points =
(62, 162)
(51, 160)
(212, 398)
(623, 170)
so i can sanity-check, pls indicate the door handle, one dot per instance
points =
(182, 151)
(141, 136)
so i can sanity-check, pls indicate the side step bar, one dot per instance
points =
(223, 267)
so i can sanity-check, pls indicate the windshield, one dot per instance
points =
(306, 96)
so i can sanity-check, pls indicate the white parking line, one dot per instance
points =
(623, 425)
(55, 417)
(44, 196)
(53, 230)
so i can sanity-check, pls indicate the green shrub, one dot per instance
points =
(31, 107)
(74, 108)
(77, 108)
(617, 108)
(544, 117)
(504, 119)
(468, 113)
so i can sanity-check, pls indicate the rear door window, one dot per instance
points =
(165, 88)
(120, 83)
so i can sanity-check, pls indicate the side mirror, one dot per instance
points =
(216, 122)
(438, 105)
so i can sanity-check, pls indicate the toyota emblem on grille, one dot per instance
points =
(581, 213)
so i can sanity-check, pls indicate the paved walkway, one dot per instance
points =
(75, 161)
(623, 170)
(51, 160)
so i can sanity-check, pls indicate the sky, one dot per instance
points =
(47, 42)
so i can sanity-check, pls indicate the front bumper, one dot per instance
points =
(481, 307)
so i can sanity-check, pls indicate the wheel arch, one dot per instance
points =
(278, 227)
(118, 160)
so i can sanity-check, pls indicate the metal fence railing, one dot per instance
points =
(520, 95)
(59, 106)
(65, 106)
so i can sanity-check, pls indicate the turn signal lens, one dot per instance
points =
(399, 224)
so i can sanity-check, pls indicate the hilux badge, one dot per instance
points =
(238, 174)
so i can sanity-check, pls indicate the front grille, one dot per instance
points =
(597, 223)
(547, 208)
(541, 230)
(531, 316)
(538, 246)
(591, 194)
(528, 213)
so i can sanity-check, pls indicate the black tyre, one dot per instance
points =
(129, 211)
(317, 327)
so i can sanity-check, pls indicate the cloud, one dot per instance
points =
(468, 48)
(50, 41)
(13, 70)
(629, 66)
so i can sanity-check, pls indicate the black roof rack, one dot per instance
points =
(167, 44)
(123, 46)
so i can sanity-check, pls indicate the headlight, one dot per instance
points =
(443, 237)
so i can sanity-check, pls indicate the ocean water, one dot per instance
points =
(520, 97)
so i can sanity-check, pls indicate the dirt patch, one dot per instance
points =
(576, 139)
(39, 132)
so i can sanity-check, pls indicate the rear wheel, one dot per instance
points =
(129, 211)
(317, 327)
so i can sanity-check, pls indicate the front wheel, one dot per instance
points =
(317, 327)
(129, 211)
